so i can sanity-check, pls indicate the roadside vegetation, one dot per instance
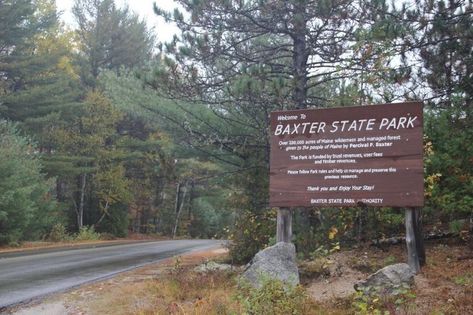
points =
(175, 286)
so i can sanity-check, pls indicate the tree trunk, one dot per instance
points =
(191, 199)
(412, 254)
(80, 212)
(359, 226)
(137, 222)
(284, 225)
(60, 190)
(419, 235)
(299, 96)
(470, 239)
(300, 56)
(179, 206)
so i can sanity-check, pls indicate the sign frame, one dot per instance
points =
(320, 156)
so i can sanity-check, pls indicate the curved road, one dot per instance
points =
(27, 276)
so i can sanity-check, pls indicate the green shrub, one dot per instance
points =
(448, 168)
(87, 234)
(376, 301)
(24, 192)
(456, 226)
(58, 233)
(328, 228)
(274, 298)
(251, 233)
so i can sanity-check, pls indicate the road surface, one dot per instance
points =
(28, 276)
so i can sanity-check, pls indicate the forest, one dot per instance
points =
(105, 130)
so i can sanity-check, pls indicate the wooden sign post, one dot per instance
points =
(370, 155)
(414, 239)
(418, 232)
(412, 252)
(284, 225)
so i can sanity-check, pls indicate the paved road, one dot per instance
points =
(28, 276)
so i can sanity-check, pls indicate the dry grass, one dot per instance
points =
(446, 283)
(171, 287)
(187, 292)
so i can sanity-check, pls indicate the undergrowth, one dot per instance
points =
(274, 298)
(194, 293)
(399, 300)
(87, 234)
(59, 233)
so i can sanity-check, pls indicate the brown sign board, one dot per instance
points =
(348, 156)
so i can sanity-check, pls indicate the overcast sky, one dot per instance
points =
(144, 8)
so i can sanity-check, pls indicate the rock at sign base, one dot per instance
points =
(275, 262)
(388, 279)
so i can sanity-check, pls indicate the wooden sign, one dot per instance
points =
(371, 155)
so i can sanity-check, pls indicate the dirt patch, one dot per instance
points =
(56, 308)
(445, 285)
(344, 270)
(322, 291)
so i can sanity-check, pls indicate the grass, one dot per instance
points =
(187, 292)
(176, 291)
(218, 293)
(175, 288)
(464, 280)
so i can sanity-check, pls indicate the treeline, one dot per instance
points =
(172, 138)
(70, 156)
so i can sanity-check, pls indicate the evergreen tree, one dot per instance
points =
(446, 48)
(25, 199)
(20, 21)
(280, 49)
(444, 44)
(241, 60)
(39, 82)
(110, 38)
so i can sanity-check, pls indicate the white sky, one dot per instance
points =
(144, 8)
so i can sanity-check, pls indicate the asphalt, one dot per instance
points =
(29, 276)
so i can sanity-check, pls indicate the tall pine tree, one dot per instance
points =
(110, 38)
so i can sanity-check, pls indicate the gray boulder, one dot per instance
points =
(388, 279)
(275, 262)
